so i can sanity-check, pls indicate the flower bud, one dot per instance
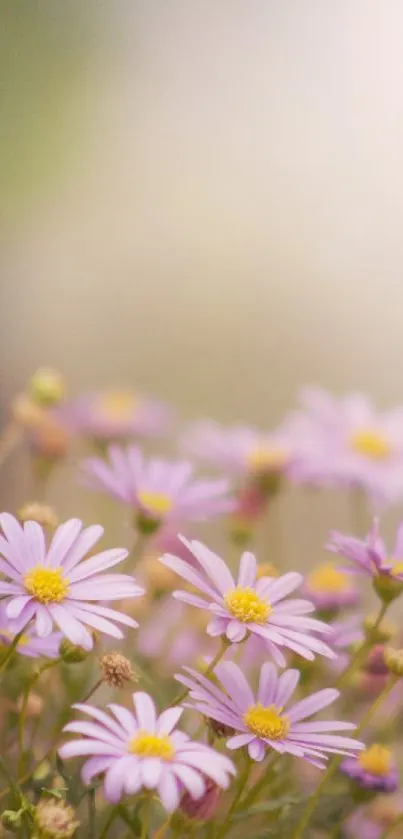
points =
(47, 387)
(375, 663)
(145, 524)
(40, 513)
(394, 662)
(219, 729)
(201, 809)
(55, 819)
(378, 635)
(387, 587)
(12, 820)
(72, 653)
(116, 670)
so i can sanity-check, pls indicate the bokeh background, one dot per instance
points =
(203, 200)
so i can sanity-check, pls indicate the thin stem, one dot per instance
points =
(388, 830)
(162, 829)
(362, 651)
(23, 713)
(14, 644)
(144, 819)
(91, 814)
(260, 784)
(334, 763)
(125, 816)
(93, 689)
(111, 818)
(243, 780)
(13, 785)
(224, 646)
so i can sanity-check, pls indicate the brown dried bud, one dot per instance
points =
(201, 809)
(394, 662)
(116, 670)
(55, 819)
(41, 513)
(47, 387)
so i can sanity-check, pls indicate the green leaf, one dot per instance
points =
(267, 807)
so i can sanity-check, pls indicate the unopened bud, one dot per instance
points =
(201, 809)
(50, 439)
(40, 513)
(12, 820)
(116, 670)
(378, 634)
(55, 819)
(47, 387)
(72, 653)
(375, 663)
(387, 587)
(394, 662)
(145, 524)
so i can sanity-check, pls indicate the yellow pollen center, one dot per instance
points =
(397, 567)
(244, 604)
(46, 584)
(156, 503)
(377, 760)
(268, 723)
(370, 444)
(267, 459)
(150, 745)
(117, 405)
(328, 578)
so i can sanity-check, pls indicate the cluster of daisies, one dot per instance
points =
(245, 669)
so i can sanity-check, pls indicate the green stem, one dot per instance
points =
(224, 646)
(23, 713)
(11, 649)
(91, 814)
(260, 784)
(361, 654)
(93, 689)
(388, 830)
(144, 819)
(243, 780)
(111, 818)
(13, 785)
(334, 764)
(162, 829)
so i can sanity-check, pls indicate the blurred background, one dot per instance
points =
(204, 200)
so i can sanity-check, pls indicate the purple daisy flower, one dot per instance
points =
(142, 750)
(116, 415)
(330, 588)
(250, 605)
(29, 644)
(53, 585)
(346, 442)
(370, 556)
(372, 820)
(241, 450)
(262, 721)
(373, 769)
(159, 490)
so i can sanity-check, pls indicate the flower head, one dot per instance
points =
(346, 442)
(57, 585)
(117, 415)
(240, 450)
(142, 750)
(54, 819)
(373, 769)
(159, 491)
(249, 605)
(29, 644)
(372, 820)
(330, 588)
(370, 558)
(263, 720)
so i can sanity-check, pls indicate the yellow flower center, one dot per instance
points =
(156, 503)
(150, 745)
(268, 723)
(267, 458)
(397, 567)
(46, 584)
(244, 604)
(377, 760)
(117, 405)
(328, 578)
(371, 444)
